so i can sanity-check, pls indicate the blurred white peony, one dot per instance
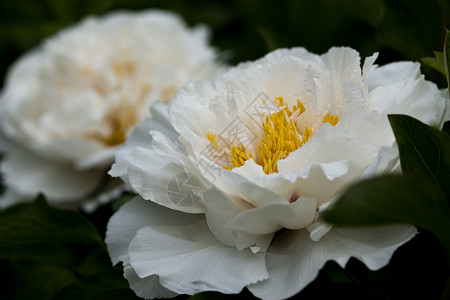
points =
(237, 171)
(69, 104)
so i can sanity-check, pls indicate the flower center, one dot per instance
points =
(119, 120)
(281, 137)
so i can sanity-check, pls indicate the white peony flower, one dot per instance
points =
(69, 104)
(238, 170)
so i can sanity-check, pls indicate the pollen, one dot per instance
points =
(281, 137)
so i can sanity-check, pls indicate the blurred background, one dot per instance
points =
(246, 30)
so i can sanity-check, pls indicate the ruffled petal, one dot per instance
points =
(190, 260)
(294, 260)
(148, 287)
(164, 175)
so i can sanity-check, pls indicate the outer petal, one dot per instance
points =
(294, 260)
(163, 174)
(190, 260)
(148, 287)
(132, 216)
(29, 175)
(415, 97)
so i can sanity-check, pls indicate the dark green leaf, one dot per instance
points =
(423, 148)
(45, 249)
(411, 198)
(436, 62)
(37, 223)
(34, 280)
(99, 287)
(96, 262)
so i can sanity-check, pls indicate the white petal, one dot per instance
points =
(190, 115)
(134, 215)
(148, 287)
(372, 127)
(29, 175)
(140, 137)
(292, 264)
(384, 163)
(249, 170)
(329, 144)
(162, 174)
(221, 209)
(271, 218)
(344, 67)
(393, 73)
(294, 260)
(190, 260)
(415, 97)
(318, 229)
(310, 182)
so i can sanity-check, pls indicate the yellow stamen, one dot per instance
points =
(307, 134)
(119, 119)
(281, 137)
(332, 119)
(212, 139)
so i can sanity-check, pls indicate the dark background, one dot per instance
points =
(246, 30)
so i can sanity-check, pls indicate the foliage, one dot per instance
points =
(48, 253)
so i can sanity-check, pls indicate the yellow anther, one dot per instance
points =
(329, 118)
(307, 134)
(212, 139)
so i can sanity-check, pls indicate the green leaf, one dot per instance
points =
(37, 223)
(411, 199)
(436, 62)
(34, 280)
(423, 148)
(99, 287)
(44, 250)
